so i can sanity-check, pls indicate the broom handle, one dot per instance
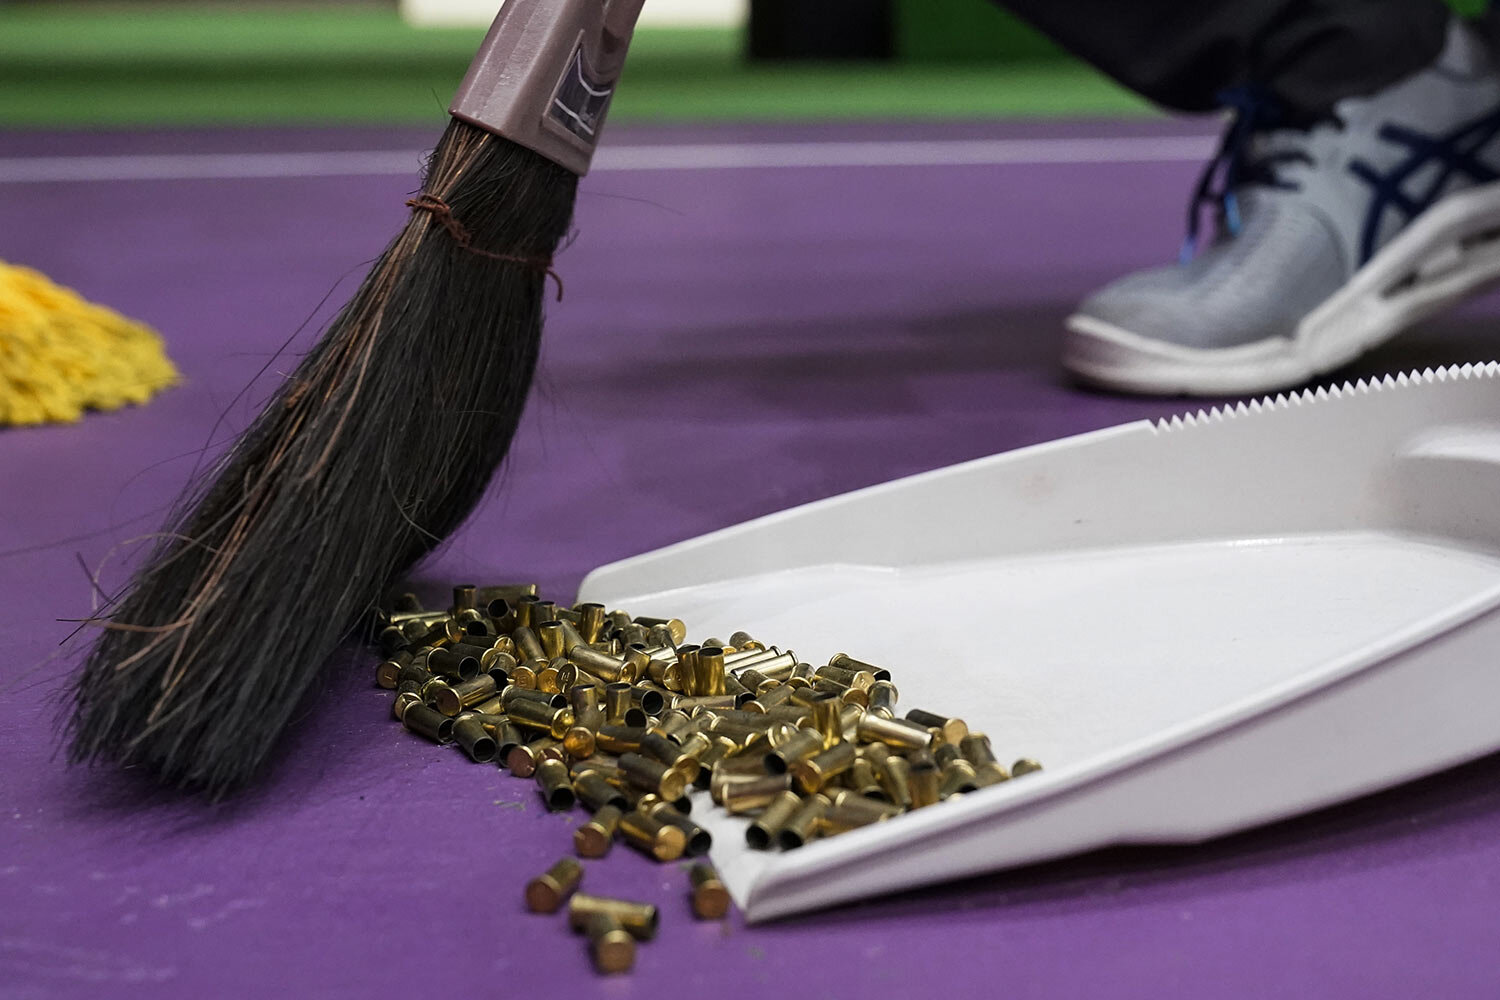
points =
(546, 73)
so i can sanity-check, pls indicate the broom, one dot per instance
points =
(381, 442)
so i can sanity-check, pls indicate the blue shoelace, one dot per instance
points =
(1255, 110)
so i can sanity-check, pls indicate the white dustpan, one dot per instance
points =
(1198, 626)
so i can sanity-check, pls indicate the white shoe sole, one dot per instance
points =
(1449, 251)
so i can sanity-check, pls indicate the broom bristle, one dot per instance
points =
(376, 449)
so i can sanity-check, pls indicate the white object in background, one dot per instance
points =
(656, 13)
(1199, 625)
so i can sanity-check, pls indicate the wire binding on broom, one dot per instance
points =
(442, 213)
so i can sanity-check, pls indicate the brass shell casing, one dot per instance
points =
(607, 768)
(1025, 765)
(511, 592)
(476, 741)
(755, 681)
(658, 747)
(528, 645)
(746, 793)
(570, 634)
(976, 749)
(633, 635)
(990, 774)
(640, 919)
(610, 945)
(460, 666)
(811, 774)
(714, 702)
(687, 668)
(653, 776)
(860, 679)
(514, 694)
(428, 722)
(842, 817)
(709, 758)
(636, 663)
(676, 726)
(595, 791)
(708, 671)
(550, 635)
(555, 784)
(861, 778)
(547, 892)
(848, 695)
(710, 898)
(894, 776)
(958, 778)
(742, 658)
(893, 732)
(802, 825)
(584, 698)
(652, 836)
(825, 719)
(524, 757)
(590, 621)
(464, 596)
(507, 738)
(804, 744)
(952, 729)
(404, 700)
(579, 742)
(763, 832)
(593, 839)
(520, 609)
(388, 673)
(696, 744)
(617, 703)
(619, 739)
(601, 665)
(674, 625)
(648, 699)
(450, 699)
(535, 715)
(780, 694)
(493, 705)
(874, 809)
(847, 662)
(744, 640)
(425, 619)
(736, 690)
(415, 673)
(699, 840)
(499, 664)
(883, 698)
(925, 778)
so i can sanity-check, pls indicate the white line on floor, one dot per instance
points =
(708, 156)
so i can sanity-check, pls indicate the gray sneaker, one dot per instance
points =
(1329, 241)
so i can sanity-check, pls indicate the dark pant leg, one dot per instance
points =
(1309, 53)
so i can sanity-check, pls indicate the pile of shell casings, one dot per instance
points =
(623, 715)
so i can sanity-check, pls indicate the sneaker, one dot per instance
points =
(1329, 240)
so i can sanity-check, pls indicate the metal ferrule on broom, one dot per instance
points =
(546, 73)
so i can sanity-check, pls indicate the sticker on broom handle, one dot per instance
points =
(582, 98)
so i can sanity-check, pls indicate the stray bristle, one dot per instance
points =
(376, 449)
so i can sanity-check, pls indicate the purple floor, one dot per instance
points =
(732, 342)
